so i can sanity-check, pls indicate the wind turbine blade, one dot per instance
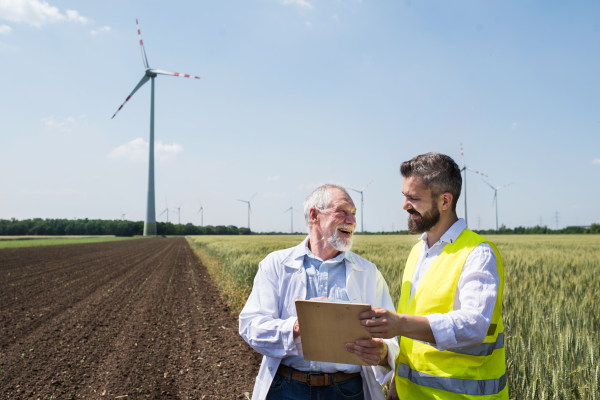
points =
(161, 213)
(462, 156)
(199, 211)
(501, 187)
(287, 210)
(142, 45)
(489, 184)
(243, 201)
(357, 191)
(252, 197)
(366, 186)
(139, 85)
(494, 201)
(477, 172)
(163, 72)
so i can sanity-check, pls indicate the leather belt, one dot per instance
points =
(313, 379)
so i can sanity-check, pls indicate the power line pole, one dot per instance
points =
(479, 222)
(556, 219)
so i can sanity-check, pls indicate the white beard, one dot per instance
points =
(339, 243)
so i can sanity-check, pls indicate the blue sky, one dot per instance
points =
(295, 93)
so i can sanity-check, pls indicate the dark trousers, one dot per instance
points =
(285, 388)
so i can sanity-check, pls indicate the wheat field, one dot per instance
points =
(552, 282)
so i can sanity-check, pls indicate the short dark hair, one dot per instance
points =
(439, 173)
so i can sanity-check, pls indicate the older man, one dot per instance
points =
(320, 267)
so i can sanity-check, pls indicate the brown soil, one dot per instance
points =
(126, 319)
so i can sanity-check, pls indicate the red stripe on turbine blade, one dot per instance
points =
(128, 97)
(119, 109)
(197, 77)
(176, 74)
(142, 43)
(114, 116)
(186, 76)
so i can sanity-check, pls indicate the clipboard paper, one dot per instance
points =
(326, 327)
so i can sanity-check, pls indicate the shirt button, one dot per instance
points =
(314, 367)
(321, 286)
(270, 369)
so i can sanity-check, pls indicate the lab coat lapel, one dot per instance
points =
(352, 287)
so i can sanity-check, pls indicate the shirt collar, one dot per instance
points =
(451, 234)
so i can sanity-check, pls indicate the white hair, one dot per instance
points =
(320, 199)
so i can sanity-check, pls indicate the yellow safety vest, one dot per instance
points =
(473, 372)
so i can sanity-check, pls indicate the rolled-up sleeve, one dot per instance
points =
(477, 291)
(260, 322)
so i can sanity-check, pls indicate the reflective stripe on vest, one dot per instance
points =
(483, 349)
(454, 385)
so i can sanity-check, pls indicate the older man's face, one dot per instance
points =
(338, 221)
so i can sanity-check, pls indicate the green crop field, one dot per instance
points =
(5, 244)
(551, 316)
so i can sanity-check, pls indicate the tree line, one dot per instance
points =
(100, 227)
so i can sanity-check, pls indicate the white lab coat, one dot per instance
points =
(267, 320)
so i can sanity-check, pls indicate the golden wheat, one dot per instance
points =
(552, 284)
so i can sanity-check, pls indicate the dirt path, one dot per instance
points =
(136, 318)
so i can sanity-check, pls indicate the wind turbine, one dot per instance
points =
(465, 168)
(249, 208)
(291, 215)
(362, 204)
(178, 213)
(166, 209)
(122, 214)
(199, 211)
(150, 74)
(495, 189)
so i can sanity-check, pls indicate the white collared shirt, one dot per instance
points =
(475, 297)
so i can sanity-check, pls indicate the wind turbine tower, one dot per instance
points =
(465, 168)
(362, 204)
(150, 74)
(292, 216)
(178, 213)
(122, 214)
(165, 210)
(495, 189)
(249, 208)
(201, 210)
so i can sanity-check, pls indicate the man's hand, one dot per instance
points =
(296, 329)
(371, 351)
(392, 394)
(381, 323)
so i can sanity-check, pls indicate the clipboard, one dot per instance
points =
(326, 327)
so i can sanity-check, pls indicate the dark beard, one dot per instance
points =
(425, 223)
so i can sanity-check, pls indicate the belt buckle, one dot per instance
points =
(308, 374)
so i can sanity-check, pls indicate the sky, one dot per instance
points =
(293, 94)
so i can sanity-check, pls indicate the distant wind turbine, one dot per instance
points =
(201, 210)
(150, 74)
(249, 208)
(291, 215)
(178, 213)
(165, 210)
(465, 168)
(122, 214)
(495, 189)
(362, 204)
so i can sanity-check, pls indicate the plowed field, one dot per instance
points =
(127, 319)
